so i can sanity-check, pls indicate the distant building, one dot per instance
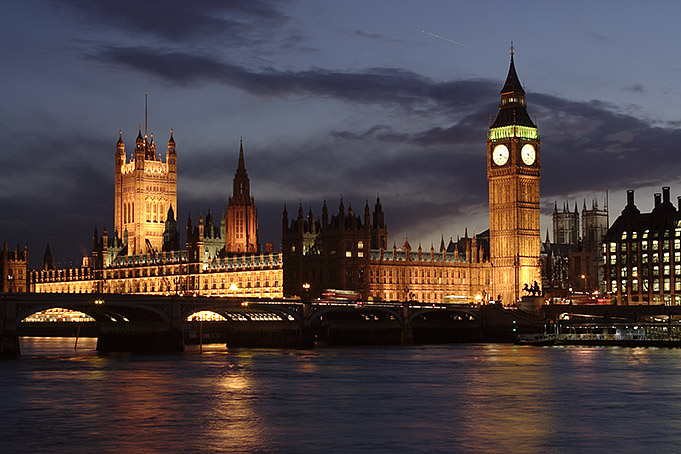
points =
(565, 225)
(642, 253)
(572, 263)
(587, 274)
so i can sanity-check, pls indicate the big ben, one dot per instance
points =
(513, 172)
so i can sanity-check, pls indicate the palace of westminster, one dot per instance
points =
(343, 252)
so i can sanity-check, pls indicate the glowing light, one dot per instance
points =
(505, 132)
(206, 316)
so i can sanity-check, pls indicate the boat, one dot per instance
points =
(537, 339)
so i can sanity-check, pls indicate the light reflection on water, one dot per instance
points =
(462, 398)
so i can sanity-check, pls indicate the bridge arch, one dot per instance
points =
(461, 314)
(99, 309)
(249, 312)
(319, 313)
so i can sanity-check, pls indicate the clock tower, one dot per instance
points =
(513, 172)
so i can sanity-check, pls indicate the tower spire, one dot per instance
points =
(241, 165)
(146, 93)
(512, 109)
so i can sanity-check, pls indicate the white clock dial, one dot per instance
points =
(528, 154)
(500, 155)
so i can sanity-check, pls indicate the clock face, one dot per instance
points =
(528, 154)
(500, 155)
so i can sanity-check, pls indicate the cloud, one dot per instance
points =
(371, 86)
(635, 88)
(183, 22)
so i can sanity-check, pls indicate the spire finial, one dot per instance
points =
(511, 49)
(146, 93)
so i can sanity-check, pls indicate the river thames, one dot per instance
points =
(481, 398)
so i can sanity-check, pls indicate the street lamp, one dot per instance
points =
(584, 282)
(306, 288)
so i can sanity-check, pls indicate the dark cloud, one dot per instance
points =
(376, 85)
(243, 22)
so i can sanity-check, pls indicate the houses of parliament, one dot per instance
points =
(342, 251)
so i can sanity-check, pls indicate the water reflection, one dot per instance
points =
(465, 398)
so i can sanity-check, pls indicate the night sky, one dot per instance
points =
(350, 98)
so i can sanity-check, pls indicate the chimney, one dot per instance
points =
(630, 197)
(665, 195)
(658, 199)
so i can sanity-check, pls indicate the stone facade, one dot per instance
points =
(14, 269)
(219, 260)
(579, 255)
(241, 215)
(335, 256)
(513, 172)
(145, 189)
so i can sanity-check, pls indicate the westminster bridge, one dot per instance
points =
(151, 323)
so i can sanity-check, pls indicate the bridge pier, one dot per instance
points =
(150, 337)
(407, 336)
(9, 338)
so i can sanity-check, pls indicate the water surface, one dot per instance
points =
(460, 398)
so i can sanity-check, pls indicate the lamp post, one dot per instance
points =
(306, 289)
(584, 282)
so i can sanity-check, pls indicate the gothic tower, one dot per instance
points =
(513, 172)
(565, 225)
(241, 215)
(145, 189)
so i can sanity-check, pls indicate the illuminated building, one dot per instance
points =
(347, 252)
(145, 189)
(219, 260)
(513, 172)
(344, 252)
(642, 253)
(14, 269)
(241, 216)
